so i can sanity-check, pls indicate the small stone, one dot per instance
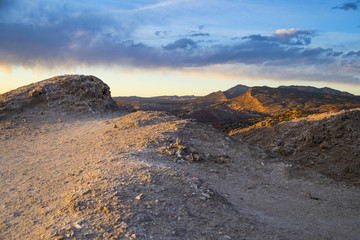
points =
(78, 226)
(178, 153)
(310, 196)
(69, 235)
(324, 145)
(139, 197)
(205, 195)
(197, 157)
(190, 158)
(220, 160)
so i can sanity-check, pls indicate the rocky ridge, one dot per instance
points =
(68, 93)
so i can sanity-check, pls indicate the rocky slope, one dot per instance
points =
(69, 93)
(275, 101)
(327, 143)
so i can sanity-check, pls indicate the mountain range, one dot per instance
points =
(242, 105)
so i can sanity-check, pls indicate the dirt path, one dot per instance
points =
(105, 177)
(286, 198)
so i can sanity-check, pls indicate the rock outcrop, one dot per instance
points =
(68, 93)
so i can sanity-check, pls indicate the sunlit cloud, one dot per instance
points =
(5, 68)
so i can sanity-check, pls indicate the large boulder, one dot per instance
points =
(68, 93)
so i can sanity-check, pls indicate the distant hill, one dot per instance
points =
(155, 99)
(242, 106)
(276, 101)
(324, 90)
(236, 91)
(211, 98)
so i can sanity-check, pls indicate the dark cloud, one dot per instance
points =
(198, 35)
(348, 6)
(90, 40)
(208, 41)
(352, 54)
(262, 53)
(286, 36)
(85, 42)
(161, 33)
(335, 54)
(256, 37)
(183, 43)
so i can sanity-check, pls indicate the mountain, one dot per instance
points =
(211, 98)
(241, 106)
(324, 90)
(274, 101)
(236, 91)
(155, 99)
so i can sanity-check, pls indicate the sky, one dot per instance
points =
(182, 47)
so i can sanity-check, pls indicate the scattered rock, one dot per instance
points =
(181, 151)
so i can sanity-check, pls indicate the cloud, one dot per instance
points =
(286, 36)
(352, 54)
(348, 6)
(161, 4)
(80, 41)
(51, 38)
(98, 39)
(161, 34)
(182, 43)
(198, 35)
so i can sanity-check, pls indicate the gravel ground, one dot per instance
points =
(148, 175)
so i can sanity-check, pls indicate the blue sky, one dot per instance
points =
(182, 47)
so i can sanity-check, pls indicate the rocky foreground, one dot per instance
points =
(148, 175)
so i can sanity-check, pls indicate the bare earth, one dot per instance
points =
(115, 177)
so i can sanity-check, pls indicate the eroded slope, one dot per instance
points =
(328, 143)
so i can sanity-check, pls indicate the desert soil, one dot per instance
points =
(148, 175)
